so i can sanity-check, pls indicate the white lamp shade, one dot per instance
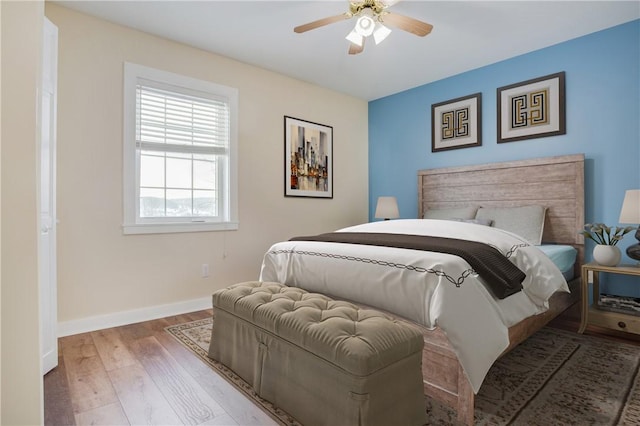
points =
(630, 212)
(380, 33)
(387, 208)
(355, 38)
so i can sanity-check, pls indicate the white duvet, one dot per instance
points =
(433, 289)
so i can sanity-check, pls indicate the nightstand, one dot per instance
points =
(592, 315)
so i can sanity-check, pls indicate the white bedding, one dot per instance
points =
(433, 289)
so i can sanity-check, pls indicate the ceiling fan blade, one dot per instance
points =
(320, 23)
(406, 23)
(354, 49)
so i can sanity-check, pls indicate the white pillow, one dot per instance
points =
(526, 221)
(451, 213)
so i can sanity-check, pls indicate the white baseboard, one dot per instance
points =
(99, 322)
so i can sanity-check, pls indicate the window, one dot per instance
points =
(180, 137)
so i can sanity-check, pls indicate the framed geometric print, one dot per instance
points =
(532, 109)
(456, 123)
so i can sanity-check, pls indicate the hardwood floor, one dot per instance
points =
(139, 374)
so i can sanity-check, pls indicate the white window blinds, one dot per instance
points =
(180, 122)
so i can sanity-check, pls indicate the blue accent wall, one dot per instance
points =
(602, 121)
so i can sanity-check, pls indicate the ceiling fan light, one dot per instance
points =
(365, 26)
(380, 33)
(355, 38)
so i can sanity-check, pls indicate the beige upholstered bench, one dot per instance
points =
(325, 362)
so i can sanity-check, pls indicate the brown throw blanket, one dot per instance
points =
(501, 277)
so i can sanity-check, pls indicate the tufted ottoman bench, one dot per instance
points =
(325, 362)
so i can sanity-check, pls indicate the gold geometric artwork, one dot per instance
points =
(530, 109)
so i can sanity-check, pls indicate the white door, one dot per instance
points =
(47, 194)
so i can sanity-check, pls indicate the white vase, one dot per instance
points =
(606, 255)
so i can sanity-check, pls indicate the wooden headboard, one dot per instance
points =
(554, 182)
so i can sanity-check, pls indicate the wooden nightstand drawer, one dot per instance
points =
(591, 314)
(614, 320)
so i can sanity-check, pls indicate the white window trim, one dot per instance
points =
(130, 175)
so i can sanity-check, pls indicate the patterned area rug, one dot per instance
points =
(553, 378)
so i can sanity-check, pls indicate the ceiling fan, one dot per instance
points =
(372, 15)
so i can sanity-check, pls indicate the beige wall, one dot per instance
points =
(102, 271)
(21, 50)
(1, 384)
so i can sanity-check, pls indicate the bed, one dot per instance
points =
(454, 364)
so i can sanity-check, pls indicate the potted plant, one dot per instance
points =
(606, 238)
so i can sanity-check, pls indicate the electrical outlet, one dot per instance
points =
(205, 270)
(590, 277)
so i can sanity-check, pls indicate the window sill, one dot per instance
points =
(169, 228)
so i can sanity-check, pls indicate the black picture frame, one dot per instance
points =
(531, 109)
(456, 123)
(308, 159)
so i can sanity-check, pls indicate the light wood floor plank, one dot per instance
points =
(201, 314)
(112, 350)
(141, 399)
(74, 340)
(190, 402)
(57, 398)
(224, 420)
(234, 402)
(89, 385)
(81, 361)
(107, 415)
(91, 391)
(158, 326)
(131, 332)
(185, 357)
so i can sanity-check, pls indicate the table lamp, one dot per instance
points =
(387, 208)
(630, 213)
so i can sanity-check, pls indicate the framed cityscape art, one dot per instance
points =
(308, 159)
(456, 123)
(532, 109)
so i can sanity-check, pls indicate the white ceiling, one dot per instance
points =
(466, 35)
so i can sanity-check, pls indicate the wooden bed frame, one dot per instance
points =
(554, 182)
